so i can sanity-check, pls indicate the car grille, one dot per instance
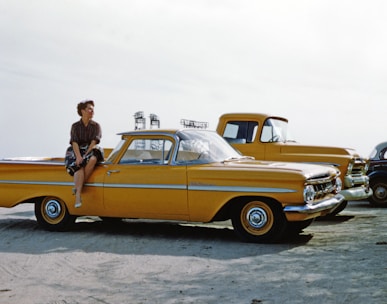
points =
(358, 172)
(323, 189)
(359, 167)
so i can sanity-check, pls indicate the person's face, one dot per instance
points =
(88, 112)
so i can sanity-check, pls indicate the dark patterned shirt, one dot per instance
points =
(84, 135)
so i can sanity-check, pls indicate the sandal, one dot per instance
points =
(78, 204)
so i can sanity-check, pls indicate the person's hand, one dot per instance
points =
(79, 161)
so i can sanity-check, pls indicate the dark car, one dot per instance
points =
(377, 173)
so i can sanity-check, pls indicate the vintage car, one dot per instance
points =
(377, 174)
(183, 175)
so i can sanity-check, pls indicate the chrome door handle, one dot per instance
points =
(112, 171)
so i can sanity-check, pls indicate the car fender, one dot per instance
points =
(377, 174)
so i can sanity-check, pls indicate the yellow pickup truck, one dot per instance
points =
(265, 137)
(183, 175)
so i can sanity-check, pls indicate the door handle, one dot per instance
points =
(112, 171)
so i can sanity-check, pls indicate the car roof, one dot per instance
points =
(161, 131)
(250, 116)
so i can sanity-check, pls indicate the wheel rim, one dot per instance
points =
(53, 210)
(380, 192)
(257, 218)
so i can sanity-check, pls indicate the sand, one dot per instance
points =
(337, 261)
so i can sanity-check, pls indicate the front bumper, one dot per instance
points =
(305, 212)
(356, 193)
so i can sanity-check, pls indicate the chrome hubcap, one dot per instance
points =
(53, 209)
(257, 217)
(380, 192)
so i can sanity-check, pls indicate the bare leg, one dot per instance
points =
(90, 167)
(80, 177)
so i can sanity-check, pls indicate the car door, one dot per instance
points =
(143, 183)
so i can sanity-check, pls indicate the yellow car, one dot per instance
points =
(184, 175)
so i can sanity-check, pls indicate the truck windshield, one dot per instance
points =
(275, 130)
(204, 147)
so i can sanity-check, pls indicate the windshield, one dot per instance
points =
(203, 147)
(275, 130)
(115, 151)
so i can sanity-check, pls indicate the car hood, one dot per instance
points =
(293, 147)
(307, 170)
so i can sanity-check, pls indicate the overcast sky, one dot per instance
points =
(322, 64)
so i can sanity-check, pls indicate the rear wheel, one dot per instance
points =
(259, 221)
(379, 195)
(52, 214)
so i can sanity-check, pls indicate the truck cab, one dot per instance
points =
(266, 137)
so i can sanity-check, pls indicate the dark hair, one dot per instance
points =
(83, 105)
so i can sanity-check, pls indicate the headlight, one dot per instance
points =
(339, 185)
(350, 167)
(309, 194)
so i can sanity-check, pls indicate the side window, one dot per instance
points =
(240, 132)
(147, 151)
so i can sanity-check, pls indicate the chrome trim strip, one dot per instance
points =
(21, 161)
(16, 182)
(142, 186)
(239, 189)
(159, 186)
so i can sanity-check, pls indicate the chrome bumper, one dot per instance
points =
(355, 194)
(351, 180)
(327, 205)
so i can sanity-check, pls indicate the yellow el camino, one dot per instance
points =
(184, 175)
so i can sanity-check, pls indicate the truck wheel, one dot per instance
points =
(379, 195)
(259, 221)
(52, 214)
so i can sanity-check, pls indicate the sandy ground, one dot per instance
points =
(339, 261)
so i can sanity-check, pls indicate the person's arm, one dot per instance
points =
(77, 152)
(96, 138)
(91, 146)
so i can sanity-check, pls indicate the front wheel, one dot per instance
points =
(259, 221)
(52, 214)
(379, 195)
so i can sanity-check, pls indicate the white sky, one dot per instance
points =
(322, 64)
